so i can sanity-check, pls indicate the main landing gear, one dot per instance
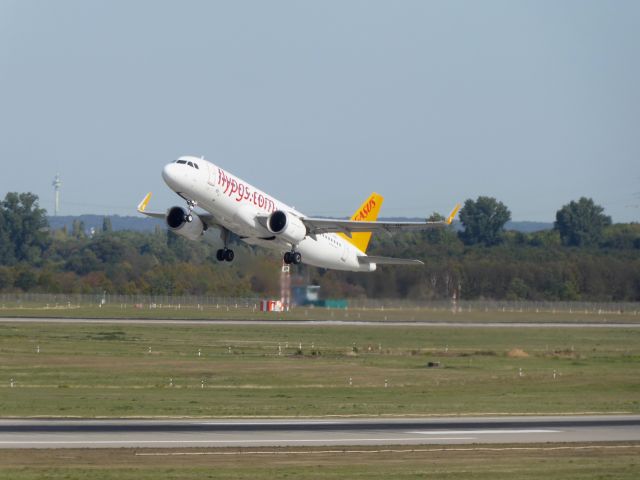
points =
(292, 257)
(225, 254)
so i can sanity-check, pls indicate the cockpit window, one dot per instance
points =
(191, 164)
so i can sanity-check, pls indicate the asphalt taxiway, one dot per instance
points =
(321, 432)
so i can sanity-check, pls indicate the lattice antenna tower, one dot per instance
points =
(57, 183)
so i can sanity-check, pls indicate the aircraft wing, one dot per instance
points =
(364, 259)
(206, 218)
(327, 225)
(142, 208)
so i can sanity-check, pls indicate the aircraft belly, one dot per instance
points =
(321, 253)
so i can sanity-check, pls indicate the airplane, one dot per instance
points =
(235, 206)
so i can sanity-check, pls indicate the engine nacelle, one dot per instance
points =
(177, 222)
(287, 226)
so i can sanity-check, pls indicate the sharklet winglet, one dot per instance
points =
(453, 214)
(143, 204)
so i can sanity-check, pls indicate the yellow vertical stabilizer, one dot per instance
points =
(368, 212)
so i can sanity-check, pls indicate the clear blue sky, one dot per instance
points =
(535, 103)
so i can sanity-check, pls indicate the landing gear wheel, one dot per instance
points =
(191, 204)
(225, 255)
(292, 257)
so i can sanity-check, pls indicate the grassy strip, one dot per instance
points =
(522, 462)
(248, 312)
(235, 370)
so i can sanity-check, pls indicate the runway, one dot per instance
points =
(275, 433)
(312, 323)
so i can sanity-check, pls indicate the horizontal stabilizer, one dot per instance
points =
(388, 260)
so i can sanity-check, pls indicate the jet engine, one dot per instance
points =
(286, 226)
(177, 221)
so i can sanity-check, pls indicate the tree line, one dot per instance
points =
(584, 257)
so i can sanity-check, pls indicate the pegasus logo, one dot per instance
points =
(365, 211)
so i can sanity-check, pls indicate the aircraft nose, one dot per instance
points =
(170, 174)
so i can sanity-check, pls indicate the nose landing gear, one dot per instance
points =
(191, 204)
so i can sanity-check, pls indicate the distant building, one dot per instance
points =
(306, 295)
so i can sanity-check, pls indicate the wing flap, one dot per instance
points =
(330, 225)
(322, 225)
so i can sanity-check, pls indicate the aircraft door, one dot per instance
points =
(213, 182)
(213, 175)
(345, 252)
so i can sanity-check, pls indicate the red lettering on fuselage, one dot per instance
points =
(241, 192)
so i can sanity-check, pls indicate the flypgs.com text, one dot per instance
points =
(241, 192)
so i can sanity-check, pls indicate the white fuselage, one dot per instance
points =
(237, 206)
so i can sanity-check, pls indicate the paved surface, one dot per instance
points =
(217, 433)
(134, 321)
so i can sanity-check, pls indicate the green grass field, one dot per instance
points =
(248, 370)
(523, 462)
(250, 311)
